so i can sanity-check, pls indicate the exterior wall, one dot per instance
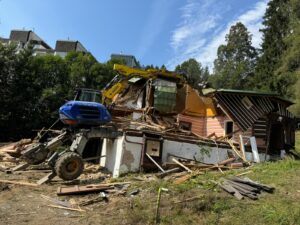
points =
(125, 156)
(198, 123)
(215, 125)
(189, 151)
(131, 154)
(112, 149)
(205, 126)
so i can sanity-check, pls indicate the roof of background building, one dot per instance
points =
(68, 46)
(25, 36)
(129, 60)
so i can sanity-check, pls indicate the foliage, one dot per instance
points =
(194, 72)
(236, 60)
(275, 30)
(32, 88)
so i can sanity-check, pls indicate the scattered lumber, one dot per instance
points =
(186, 177)
(244, 187)
(167, 172)
(99, 198)
(67, 208)
(16, 147)
(57, 201)
(83, 189)
(226, 161)
(24, 183)
(236, 151)
(156, 164)
(180, 164)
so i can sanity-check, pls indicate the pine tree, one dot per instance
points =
(275, 21)
(236, 60)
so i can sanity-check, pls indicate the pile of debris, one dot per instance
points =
(244, 187)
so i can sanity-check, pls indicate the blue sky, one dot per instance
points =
(155, 31)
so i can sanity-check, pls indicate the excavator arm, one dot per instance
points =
(120, 82)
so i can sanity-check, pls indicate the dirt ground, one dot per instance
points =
(25, 205)
(209, 204)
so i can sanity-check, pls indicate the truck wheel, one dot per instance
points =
(69, 166)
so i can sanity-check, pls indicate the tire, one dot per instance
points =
(69, 166)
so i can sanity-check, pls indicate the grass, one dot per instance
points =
(216, 207)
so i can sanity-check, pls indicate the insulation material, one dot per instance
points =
(164, 95)
(133, 99)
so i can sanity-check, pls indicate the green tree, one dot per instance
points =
(194, 72)
(287, 75)
(236, 60)
(276, 29)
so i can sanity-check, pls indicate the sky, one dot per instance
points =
(156, 32)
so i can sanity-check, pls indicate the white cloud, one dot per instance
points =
(203, 30)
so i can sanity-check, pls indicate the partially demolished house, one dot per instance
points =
(164, 118)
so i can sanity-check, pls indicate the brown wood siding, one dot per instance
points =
(215, 125)
(198, 123)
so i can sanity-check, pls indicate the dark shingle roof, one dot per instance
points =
(25, 36)
(67, 46)
(19, 35)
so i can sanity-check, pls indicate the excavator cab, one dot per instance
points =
(85, 109)
(87, 95)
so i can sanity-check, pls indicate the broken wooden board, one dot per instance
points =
(87, 188)
(81, 189)
(167, 172)
(23, 183)
(231, 190)
(186, 177)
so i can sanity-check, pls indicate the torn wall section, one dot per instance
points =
(127, 153)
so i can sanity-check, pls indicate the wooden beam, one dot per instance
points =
(158, 166)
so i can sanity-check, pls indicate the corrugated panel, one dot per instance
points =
(260, 128)
(282, 111)
(245, 117)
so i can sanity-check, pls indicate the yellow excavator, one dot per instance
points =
(120, 82)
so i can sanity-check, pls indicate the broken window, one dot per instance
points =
(153, 148)
(185, 126)
(229, 129)
(247, 102)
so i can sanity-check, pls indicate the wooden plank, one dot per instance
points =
(167, 172)
(226, 161)
(158, 166)
(186, 177)
(62, 207)
(180, 164)
(81, 189)
(24, 183)
(231, 190)
(87, 188)
(242, 147)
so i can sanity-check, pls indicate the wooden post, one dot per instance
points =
(157, 216)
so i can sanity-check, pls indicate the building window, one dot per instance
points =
(185, 126)
(247, 102)
(228, 129)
